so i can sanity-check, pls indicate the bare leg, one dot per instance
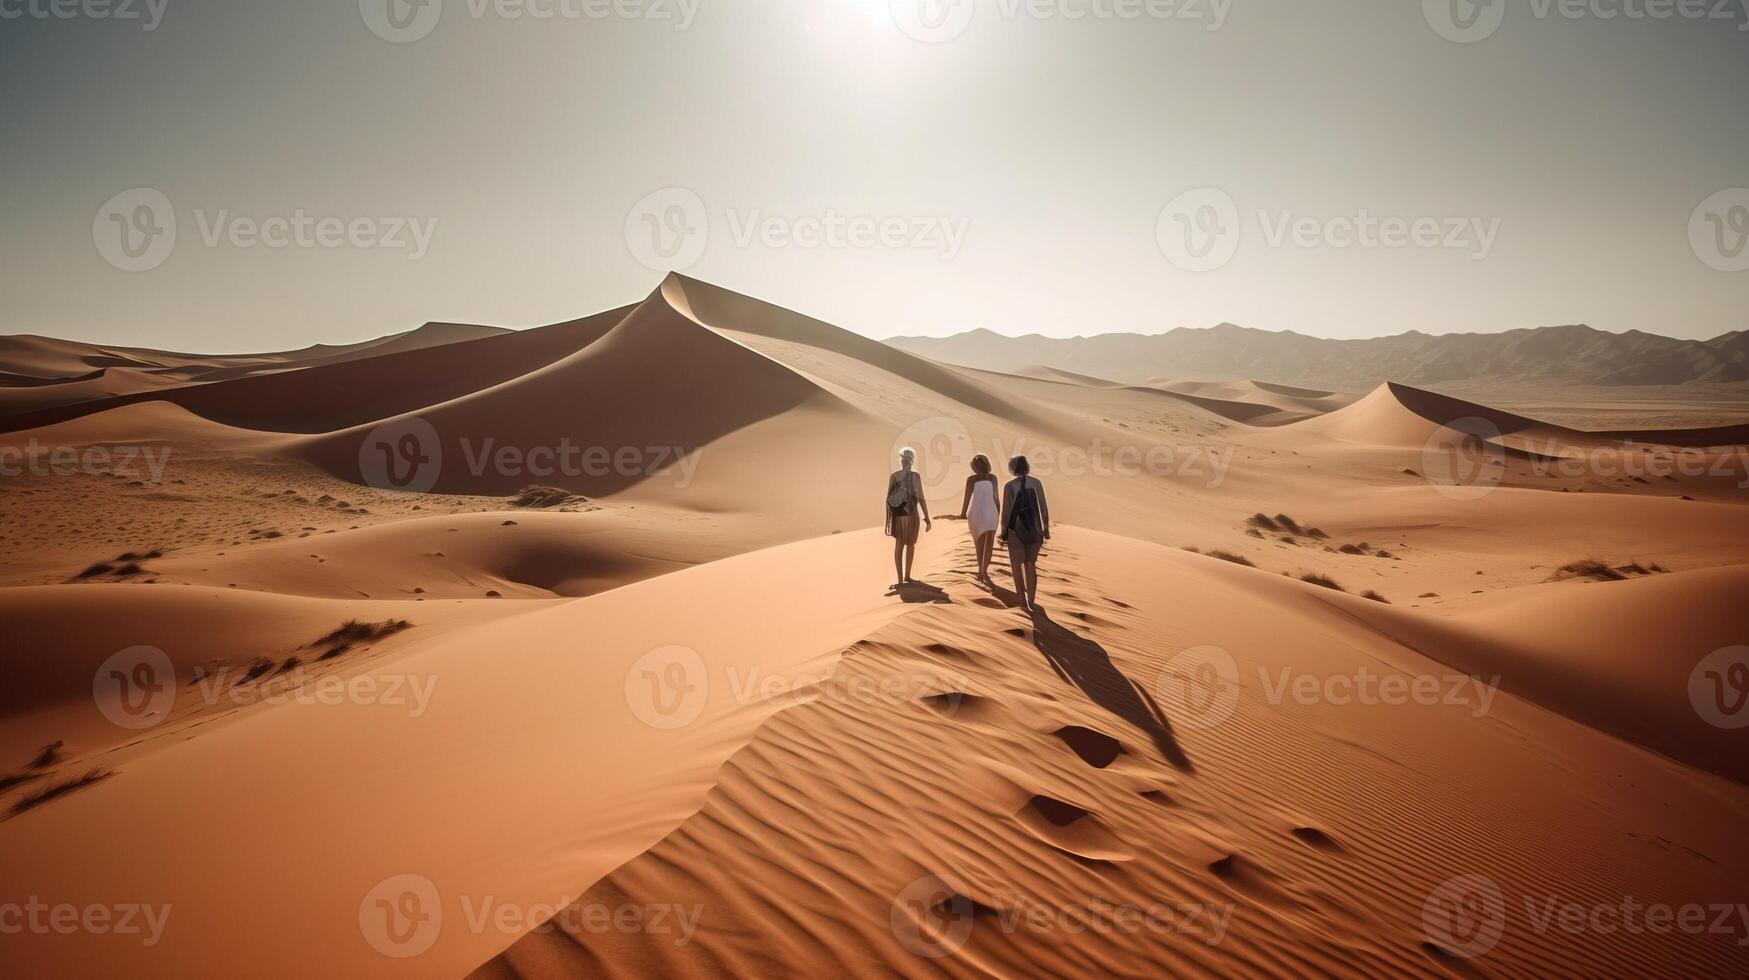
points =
(1016, 563)
(985, 544)
(1031, 585)
(910, 555)
(898, 551)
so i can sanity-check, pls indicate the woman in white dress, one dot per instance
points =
(981, 513)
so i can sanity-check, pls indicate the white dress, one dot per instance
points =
(981, 516)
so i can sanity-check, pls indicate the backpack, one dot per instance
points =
(899, 492)
(1023, 517)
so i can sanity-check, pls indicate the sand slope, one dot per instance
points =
(1589, 650)
(518, 554)
(908, 832)
(545, 775)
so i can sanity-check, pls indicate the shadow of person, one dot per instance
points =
(1085, 664)
(1008, 597)
(920, 592)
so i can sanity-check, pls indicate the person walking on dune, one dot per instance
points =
(1026, 528)
(981, 513)
(904, 501)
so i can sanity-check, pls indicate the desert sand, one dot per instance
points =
(513, 710)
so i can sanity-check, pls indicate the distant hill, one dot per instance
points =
(1565, 355)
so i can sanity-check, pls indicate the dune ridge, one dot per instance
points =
(988, 818)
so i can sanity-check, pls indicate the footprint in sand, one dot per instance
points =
(1095, 748)
(1261, 884)
(959, 705)
(1317, 838)
(1072, 829)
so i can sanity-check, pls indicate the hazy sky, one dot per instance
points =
(922, 169)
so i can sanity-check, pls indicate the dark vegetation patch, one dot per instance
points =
(354, 632)
(1595, 570)
(1320, 579)
(1283, 524)
(1224, 556)
(10, 780)
(540, 497)
(124, 565)
(58, 790)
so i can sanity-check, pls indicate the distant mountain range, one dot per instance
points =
(1566, 355)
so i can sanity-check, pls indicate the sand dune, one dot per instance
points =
(1292, 403)
(48, 359)
(752, 318)
(1249, 412)
(1248, 402)
(22, 396)
(1033, 777)
(655, 379)
(1590, 651)
(546, 775)
(342, 389)
(87, 625)
(680, 683)
(1398, 415)
(515, 554)
(1045, 372)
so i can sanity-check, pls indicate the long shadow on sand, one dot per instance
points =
(1085, 664)
(915, 591)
